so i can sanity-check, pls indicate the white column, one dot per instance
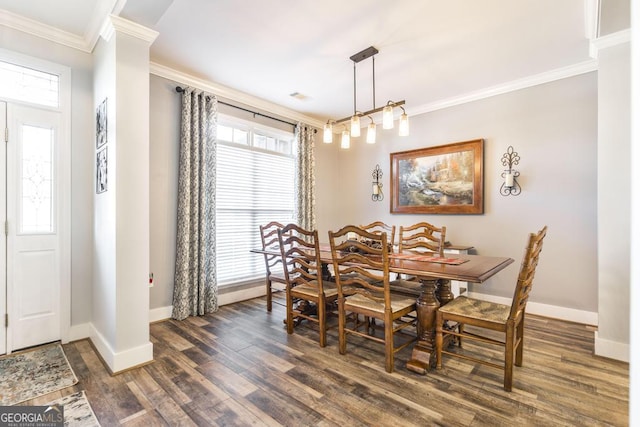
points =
(121, 293)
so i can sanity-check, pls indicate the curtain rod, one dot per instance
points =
(179, 89)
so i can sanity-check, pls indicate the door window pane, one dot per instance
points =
(36, 192)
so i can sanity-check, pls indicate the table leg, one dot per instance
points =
(443, 292)
(424, 352)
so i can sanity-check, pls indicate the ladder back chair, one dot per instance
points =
(422, 236)
(275, 279)
(419, 237)
(505, 319)
(362, 278)
(379, 227)
(303, 273)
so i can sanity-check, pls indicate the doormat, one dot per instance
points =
(34, 373)
(77, 410)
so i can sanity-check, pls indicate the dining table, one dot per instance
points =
(434, 274)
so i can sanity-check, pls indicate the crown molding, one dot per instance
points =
(96, 24)
(44, 31)
(115, 23)
(610, 40)
(232, 94)
(538, 79)
(591, 19)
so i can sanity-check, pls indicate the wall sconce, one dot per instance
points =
(376, 193)
(510, 185)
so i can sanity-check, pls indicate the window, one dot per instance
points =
(28, 85)
(254, 185)
(36, 203)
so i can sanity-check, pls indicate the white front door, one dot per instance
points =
(33, 241)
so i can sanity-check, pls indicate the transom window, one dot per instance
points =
(254, 185)
(29, 85)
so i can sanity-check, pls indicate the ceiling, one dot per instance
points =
(431, 53)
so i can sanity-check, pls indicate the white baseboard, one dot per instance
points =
(546, 310)
(117, 362)
(611, 349)
(241, 295)
(163, 313)
(120, 361)
(160, 313)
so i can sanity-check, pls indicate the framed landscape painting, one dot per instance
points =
(447, 179)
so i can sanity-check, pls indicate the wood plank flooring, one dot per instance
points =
(239, 367)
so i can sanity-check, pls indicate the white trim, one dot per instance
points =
(102, 11)
(38, 29)
(107, 30)
(538, 79)
(160, 313)
(53, 34)
(241, 295)
(224, 298)
(546, 310)
(138, 31)
(610, 40)
(229, 93)
(119, 361)
(611, 349)
(591, 19)
(65, 204)
(79, 332)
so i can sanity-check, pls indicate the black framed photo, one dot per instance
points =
(101, 124)
(101, 171)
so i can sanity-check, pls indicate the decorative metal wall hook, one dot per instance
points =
(510, 184)
(376, 193)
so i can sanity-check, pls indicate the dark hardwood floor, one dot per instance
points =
(239, 367)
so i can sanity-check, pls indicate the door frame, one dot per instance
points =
(64, 175)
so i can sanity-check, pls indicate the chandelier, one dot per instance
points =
(354, 120)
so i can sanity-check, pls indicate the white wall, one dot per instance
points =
(132, 192)
(164, 152)
(553, 127)
(634, 317)
(614, 204)
(104, 263)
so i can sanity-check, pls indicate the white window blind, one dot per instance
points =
(253, 187)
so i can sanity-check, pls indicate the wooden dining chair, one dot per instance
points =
(303, 274)
(275, 280)
(508, 320)
(379, 227)
(423, 237)
(362, 278)
(419, 237)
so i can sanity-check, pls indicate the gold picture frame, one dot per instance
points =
(446, 179)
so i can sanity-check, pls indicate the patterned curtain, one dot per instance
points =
(305, 177)
(196, 290)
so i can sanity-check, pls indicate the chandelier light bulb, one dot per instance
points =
(387, 117)
(355, 126)
(327, 135)
(403, 125)
(346, 140)
(371, 133)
